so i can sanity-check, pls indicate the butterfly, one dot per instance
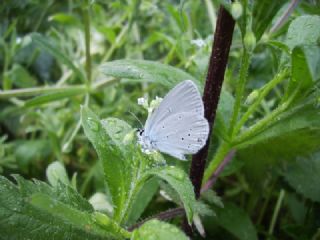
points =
(177, 126)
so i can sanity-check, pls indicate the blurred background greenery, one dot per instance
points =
(46, 76)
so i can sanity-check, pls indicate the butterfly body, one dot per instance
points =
(177, 126)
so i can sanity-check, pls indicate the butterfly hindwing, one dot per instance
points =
(181, 133)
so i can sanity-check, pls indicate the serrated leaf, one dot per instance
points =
(117, 169)
(146, 71)
(180, 182)
(304, 30)
(22, 208)
(45, 44)
(303, 176)
(158, 230)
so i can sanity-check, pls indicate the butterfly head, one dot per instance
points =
(146, 143)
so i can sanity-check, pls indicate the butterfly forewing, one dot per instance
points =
(184, 97)
(181, 133)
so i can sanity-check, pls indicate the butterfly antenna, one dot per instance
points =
(136, 118)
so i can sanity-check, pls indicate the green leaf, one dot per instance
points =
(263, 13)
(39, 211)
(235, 220)
(20, 77)
(146, 71)
(301, 75)
(303, 30)
(303, 176)
(51, 97)
(224, 113)
(305, 69)
(142, 200)
(180, 182)
(295, 132)
(157, 230)
(66, 19)
(117, 168)
(45, 44)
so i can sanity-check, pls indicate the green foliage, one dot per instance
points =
(180, 182)
(155, 229)
(236, 221)
(126, 170)
(117, 169)
(44, 43)
(145, 71)
(303, 176)
(43, 212)
(263, 13)
(58, 55)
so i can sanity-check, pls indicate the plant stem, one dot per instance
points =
(26, 92)
(218, 169)
(166, 215)
(263, 93)
(216, 69)
(292, 5)
(276, 212)
(240, 89)
(260, 125)
(220, 154)
(217, 65)
(86, 19)
(116, 43)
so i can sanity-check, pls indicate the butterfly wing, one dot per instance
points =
(184, 97)
(181, 133)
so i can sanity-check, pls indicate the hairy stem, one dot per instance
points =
(262, 94)
(240, 89)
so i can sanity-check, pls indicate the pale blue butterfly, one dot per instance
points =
(177, 127)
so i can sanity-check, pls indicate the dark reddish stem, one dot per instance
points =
(218, 171)
(217, 66)
(216, 69)
(166, 215)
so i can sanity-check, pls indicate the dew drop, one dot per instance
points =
(94, 126)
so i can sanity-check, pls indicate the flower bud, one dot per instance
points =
(236, 10)
(56, 173)
(249, 41)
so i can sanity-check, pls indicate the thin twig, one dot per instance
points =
(218, 171)
(166, 215)
(292, 5)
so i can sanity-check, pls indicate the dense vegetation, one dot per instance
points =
(71, 74)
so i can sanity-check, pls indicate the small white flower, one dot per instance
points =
(141, 101)
(198, 42)
(155, 103)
